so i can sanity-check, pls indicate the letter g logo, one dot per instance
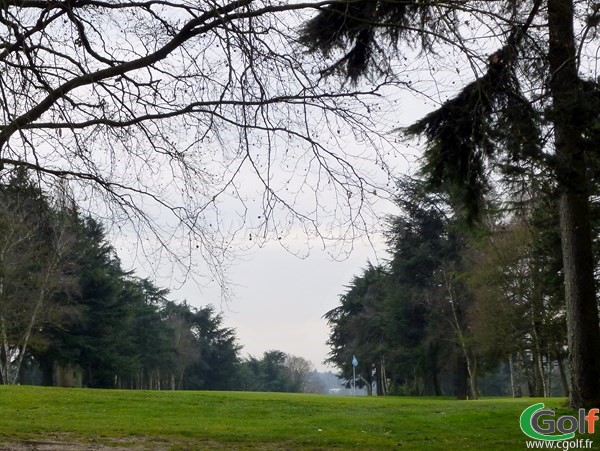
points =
(530, 426)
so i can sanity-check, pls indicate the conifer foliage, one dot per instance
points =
(70, 315)
(529, 101)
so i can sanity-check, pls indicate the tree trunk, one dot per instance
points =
(378, 386)
(527, 371)
(4, 351)
(470, 358)
(384, 379)
(461, 377)
(368, 383)
(563, 375)
(581, 308)
(548, 375)
(538, 375)
(434, 369)
(437, 389)
(381, 378)
(537, 309)
(515, 379)
(473, 374)
(32, 323)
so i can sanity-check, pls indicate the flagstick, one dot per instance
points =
(353, 380)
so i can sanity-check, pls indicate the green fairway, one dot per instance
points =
(209, 420)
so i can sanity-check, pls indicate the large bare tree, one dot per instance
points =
(165, 114)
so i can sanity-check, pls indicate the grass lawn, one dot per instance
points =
(93, 419)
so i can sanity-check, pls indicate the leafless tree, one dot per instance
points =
(300, 373)
(166, 114)
(35, 246)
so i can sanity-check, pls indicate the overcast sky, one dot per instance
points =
(280, 299)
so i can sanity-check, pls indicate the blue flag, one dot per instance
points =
(354, 361)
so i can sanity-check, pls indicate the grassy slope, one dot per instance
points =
(251, 420)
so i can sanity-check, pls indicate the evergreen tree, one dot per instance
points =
(498, 119)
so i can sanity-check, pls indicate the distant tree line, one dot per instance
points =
(278, 372)
(70, 314)
(458, 300)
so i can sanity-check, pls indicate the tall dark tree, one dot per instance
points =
(273, 371)
(358, 329)
(218, 350)
(406, 320)
(428, 242)
(99, 340)
(114, 332)
(207, 353)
